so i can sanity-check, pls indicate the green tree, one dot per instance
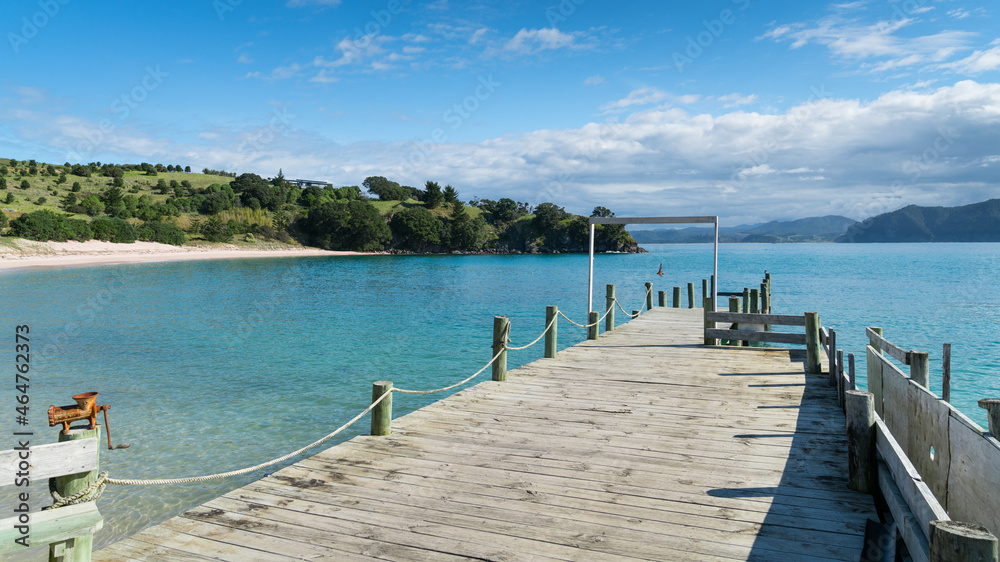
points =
(62, 178)
(76, 187)
(384, 189)
(10, 198)
(251, 187)
(465, 233)
(46, 225)
(547, 217)
(417, 229)
(345, 225)
(602, 212)
(215, 230)
(432, 194)
(164, 233)
(113, 230)
(187, 169)
(50, 170)
(3, 183)
(3, 170)
(450, 194)
(41, 200)
(25, 184)
(92, 205)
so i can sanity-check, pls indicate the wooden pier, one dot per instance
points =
(644, 444)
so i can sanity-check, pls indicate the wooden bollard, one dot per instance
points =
(649, 296)
(551, 336)
(501, 327)
(636, 313)
(663, 298)
(767, 281)
(841, 387)
(946, 373)
(734, 306)
(704, 290)
(861, 460)
(677, 297)
(831, 357)
(713, 287)
(920, 368)
(609, 304)
(992, 407)
(813, 365)
(872, 342)
(954, 540)
(382, 413)
(707, 303)
(746, 300)
(764, 306)
(754, 301)
(850, 372)
(690, 295)
(78, 548)
(592, 320)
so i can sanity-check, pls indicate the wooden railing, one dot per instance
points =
(67, 530)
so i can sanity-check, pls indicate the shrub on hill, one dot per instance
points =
(46, 225)
(113, 230)
(345, 225)
(165, 233)
(417, 228)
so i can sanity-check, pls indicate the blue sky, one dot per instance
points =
(749, 110)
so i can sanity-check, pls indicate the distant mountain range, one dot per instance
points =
(978, 222)
(814, 229)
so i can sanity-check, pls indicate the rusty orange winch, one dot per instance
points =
(86, 408)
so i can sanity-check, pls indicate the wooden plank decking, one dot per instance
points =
(642, 445)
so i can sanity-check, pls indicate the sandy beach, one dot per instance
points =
(19, 253)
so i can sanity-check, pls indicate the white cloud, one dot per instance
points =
(533, 41)
(244, 59)
(642, 96)
(595, 80)
(978, 62)
(478, 35)
(736, 100)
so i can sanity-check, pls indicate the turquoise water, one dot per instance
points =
(216, 365)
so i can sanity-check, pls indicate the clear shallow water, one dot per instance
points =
(216, 365)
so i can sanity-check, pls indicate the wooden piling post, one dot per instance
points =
(551, 336)
(592, 320)
(734, 306)
(501, 328)
(992, 407)
(649, 296)
(920, 368)
(77, 549)
(872, 342)
(677, 297)
(704, 290)
(861, 460)
(609, 320)
(746, 300)
(831, 357)
(946, 373)
(767, 279)
(663, 298)
(840, 378)
(765, 307)
(382, 413)
(954, 540)
(636, 313)
(813, 365)
(690, 295)
(850, 372)
(754, 301)
(707, 303)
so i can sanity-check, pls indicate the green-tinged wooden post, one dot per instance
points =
(754, 301)
(872, 342)
(862, 475)
(609, 305)
(649, 296)
(841, 387)
(690, 295)
(592, 320)
(850, 372)
(951, 541)
(920, 368)
(704, 290)
(77, 549)
(767, 279)
(992, 407)
(831, 357)
(734, 306)
(636, 313)
(712, 287)
(813, 349)
(707, 303)
(677, 297)
(551, 336)
(746, 300)
(765, 307)
(663, 298)
(946, 373)
(501, 328)
(382, 413)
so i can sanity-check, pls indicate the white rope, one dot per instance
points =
(130, 482)
(474, 375)
(599, 320)
(539, 338)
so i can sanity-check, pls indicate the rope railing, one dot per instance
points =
(94, 491)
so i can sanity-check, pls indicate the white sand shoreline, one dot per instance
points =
(22, 254)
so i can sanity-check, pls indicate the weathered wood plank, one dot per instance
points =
(885, 345)
(50, 460)
(773, 319)
(53, 525)
(747, 335)
(918, 497)
(974, 476)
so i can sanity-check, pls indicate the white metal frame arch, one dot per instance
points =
(653, 220)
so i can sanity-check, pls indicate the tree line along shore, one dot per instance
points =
(170, 204)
